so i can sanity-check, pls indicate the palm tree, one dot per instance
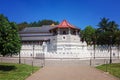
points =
(94, 40)
(112, 26)
(103, 24)
(106, 33)
(106, 29)
(117, 40)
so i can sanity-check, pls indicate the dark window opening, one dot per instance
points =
(54, 33)
(64, 32)
(63, 37)
(74, 32)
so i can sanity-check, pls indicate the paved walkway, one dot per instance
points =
(70, 72)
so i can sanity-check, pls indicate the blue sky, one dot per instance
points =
(78, 12)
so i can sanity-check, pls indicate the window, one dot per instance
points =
(64, 38)
(54, 33)
(73, 32)
(64, 32)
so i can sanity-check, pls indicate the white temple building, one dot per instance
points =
(58, 41)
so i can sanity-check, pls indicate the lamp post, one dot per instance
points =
(94, 50)
(33, 58)
(110, 49)
(94, 43)
(19, 51)
(33, 50)
(19, 58)
(43, 54)
(118, 48)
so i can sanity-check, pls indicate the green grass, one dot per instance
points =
(11, 71)
(113, 69)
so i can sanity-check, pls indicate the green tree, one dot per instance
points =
(103, 24)
(106, 30)
(104, 38)
(113, 26)
(9, 38)
(42, 22)
(117, 41)
(47, 22)
(22, 25)
(88, 34)
(36, 24)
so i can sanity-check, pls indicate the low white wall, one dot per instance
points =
(100, 52)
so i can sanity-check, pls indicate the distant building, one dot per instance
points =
(57, 41)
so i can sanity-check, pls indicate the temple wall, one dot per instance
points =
(79, 53)
(104, 52)
(30, 49)
(69, 48)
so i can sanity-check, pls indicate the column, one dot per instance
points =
(76, 32)
(51, 31)
(58, 31)
(69, 32)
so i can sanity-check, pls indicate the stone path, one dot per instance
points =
(70, 72)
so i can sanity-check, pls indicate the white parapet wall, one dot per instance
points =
(79, 52)
(104, 52)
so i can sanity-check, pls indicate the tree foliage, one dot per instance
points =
(42, 22)
(36, 23)
(106, 32)
(88, 34)
(9, 38)
(117, 38)
(22, 25)
(106, 25)
(103, 25)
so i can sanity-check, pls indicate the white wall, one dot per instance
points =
(70, 47)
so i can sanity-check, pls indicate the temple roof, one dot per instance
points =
(36, 33)
(65, 24)
(42, 29)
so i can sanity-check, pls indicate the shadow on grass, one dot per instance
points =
(7, 67)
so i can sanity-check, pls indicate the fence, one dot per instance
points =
(46, 62)
(29, 61)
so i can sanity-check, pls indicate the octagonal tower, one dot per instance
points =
(66, 40)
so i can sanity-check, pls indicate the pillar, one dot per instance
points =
(69, 32)
(76, 32)
(58, 31)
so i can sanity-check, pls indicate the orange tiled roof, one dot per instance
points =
(65, 24)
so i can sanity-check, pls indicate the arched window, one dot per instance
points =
(74, 32)
(64, 32)
(54, 32)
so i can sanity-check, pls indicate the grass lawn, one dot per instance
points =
(11, 71)
(113, 69)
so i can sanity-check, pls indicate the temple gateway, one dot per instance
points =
(58, 41)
